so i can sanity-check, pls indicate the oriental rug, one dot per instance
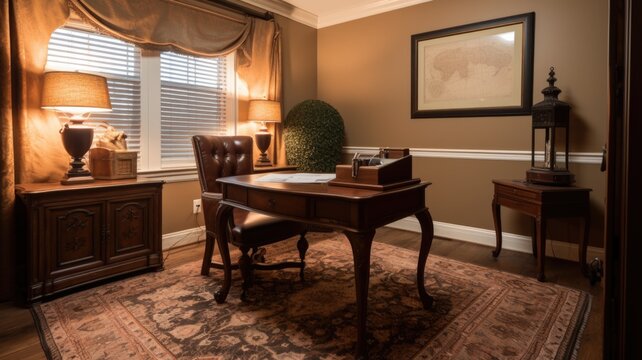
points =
(478, 313)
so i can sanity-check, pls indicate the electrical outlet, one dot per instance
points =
(196, 206)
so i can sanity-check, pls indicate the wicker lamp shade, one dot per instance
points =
(75, 93)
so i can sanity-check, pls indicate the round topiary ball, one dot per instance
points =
(313, 132)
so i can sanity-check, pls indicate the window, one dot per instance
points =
(159, 99)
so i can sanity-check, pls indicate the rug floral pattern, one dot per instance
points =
(478, 313)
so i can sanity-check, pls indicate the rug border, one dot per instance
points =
(44, 333)
(580, 332)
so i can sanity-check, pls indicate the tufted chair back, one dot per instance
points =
(218, 156)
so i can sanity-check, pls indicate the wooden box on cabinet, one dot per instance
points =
(78, 234)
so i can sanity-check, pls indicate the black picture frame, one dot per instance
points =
(441, 61)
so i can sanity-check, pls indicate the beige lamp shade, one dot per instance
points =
(75, 93)
(264, 111)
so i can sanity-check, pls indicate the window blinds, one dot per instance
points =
(86, 51)
(193, 100)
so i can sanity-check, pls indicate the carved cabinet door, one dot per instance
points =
(129, 231)
(74, 238)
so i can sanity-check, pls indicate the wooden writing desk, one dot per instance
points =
(357, 212)
(541, 202)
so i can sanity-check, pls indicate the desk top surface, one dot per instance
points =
(316, 189)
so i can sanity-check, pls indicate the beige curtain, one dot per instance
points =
(261, 77)
(30, 147)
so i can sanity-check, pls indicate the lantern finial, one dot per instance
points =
(551, 91)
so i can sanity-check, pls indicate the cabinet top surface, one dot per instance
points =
(523, 184)
(36, 188)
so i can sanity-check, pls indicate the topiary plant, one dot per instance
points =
(313, 132)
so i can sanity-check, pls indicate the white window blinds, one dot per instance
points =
(86, 51)
(193, 101)
(158, 100)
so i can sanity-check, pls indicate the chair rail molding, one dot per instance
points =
(472, 154)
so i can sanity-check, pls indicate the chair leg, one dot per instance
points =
(210, 239)
(302, 245)
(245, 264)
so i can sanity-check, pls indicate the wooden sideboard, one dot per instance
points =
(72, 235)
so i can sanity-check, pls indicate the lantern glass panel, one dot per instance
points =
(550, 148)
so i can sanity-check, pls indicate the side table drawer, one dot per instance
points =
(520, 205)
(510, 192)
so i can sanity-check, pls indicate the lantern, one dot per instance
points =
(550, 133)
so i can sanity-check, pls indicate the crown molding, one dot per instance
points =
(288, 10)
(340, 16)
(361, 11)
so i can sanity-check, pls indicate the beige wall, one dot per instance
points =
(299, 50)
(364, 71)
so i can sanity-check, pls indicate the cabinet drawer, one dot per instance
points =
(284, 204)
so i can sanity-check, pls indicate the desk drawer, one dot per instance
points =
(283, 204)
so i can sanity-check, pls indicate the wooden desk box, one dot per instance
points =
(112, 164)
(392, 175)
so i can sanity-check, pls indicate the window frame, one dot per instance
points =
(150, 163)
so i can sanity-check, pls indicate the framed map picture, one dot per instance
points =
(480, 69)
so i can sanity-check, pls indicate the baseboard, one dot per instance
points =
(521, 243)
(183, 237)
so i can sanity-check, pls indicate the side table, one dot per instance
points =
(542, 202)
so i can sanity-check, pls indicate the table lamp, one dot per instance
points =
(75, 95)
(264, 111)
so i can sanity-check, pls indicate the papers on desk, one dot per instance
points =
(301, 178)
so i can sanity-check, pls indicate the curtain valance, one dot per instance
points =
(179, 25)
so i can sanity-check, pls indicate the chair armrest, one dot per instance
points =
(205, 196)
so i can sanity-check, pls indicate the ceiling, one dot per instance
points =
(323, 13)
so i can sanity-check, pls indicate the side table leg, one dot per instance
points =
(223, 214)
(540, 230)
(361, 244)
(534, 237)
(584, 243)
(427, 233)
(497, 218)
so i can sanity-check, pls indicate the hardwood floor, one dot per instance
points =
(19, 339)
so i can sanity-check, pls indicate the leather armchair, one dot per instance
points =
(219, 156)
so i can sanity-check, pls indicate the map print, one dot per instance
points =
(478, 69)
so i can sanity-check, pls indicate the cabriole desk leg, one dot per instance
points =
(427, 232)
(361, 244)
(223, 214)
